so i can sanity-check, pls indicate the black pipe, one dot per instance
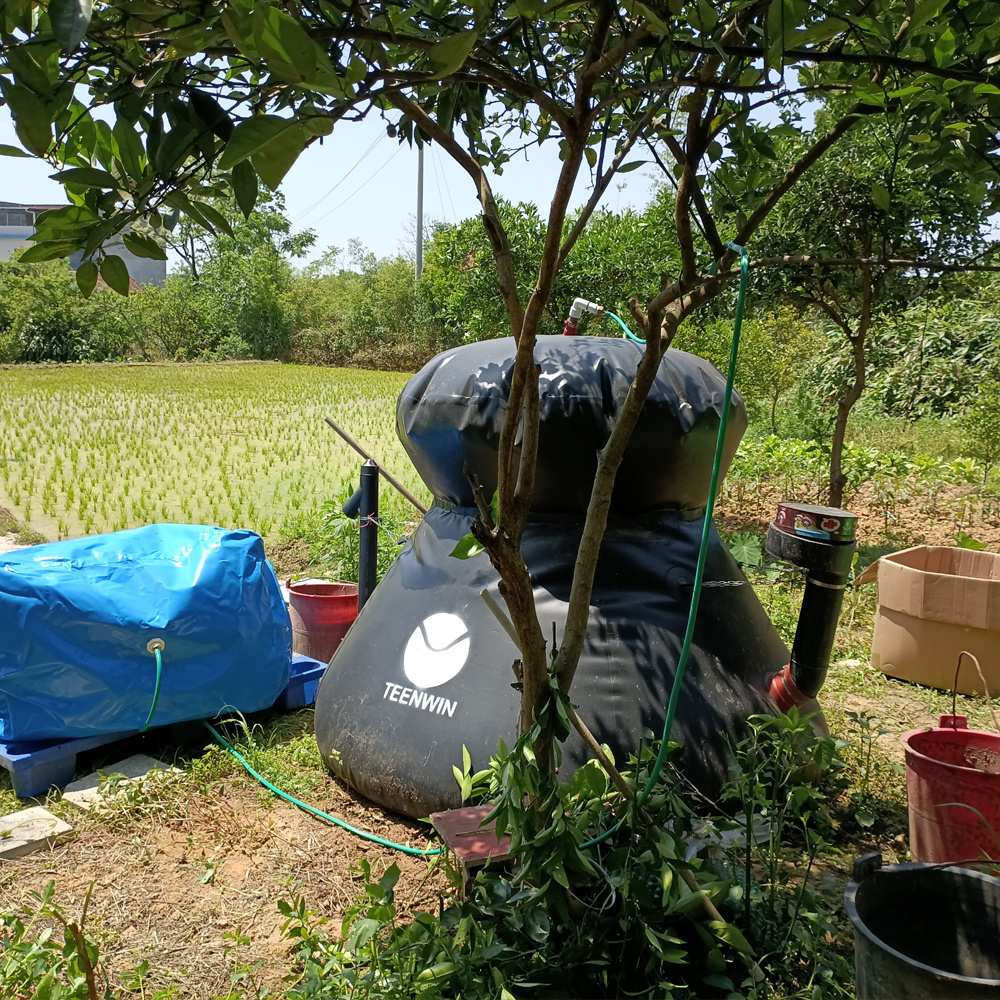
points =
(827, 562)
(368, 545)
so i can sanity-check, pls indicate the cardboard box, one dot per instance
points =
(935, 601)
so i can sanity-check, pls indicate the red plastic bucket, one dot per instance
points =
(321, 614)
(949, 770)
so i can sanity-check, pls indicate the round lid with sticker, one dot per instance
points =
(826, 524)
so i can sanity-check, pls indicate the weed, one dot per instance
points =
(786, 920)
(868, 770)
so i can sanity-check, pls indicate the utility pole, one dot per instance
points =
(420, 209)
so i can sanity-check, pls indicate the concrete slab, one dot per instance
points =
(30, 830)
(9, 543)
(84, 793)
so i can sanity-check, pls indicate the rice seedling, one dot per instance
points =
(95, 449)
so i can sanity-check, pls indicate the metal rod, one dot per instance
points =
(368, 545)
(392, 480)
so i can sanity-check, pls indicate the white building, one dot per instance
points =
(17, 224)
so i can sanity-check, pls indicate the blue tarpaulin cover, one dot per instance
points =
(75, 618)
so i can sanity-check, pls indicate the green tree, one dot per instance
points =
(883, 231)
(237, 90)
(615, 258)
(266, 227)
(776, 348)
(980, 425)
(43, 316)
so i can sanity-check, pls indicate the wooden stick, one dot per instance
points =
(390, 478)
(598, 751)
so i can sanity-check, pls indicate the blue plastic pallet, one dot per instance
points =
(303, 681)
(37, 765)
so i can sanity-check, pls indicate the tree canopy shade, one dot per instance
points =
(206, 95)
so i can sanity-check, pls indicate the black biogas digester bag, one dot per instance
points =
(426, 669)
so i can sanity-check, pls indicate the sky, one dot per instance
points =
(362, 184)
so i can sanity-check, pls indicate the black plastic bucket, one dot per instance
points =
(922, 930)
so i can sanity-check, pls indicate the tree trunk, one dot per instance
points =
(846, 403)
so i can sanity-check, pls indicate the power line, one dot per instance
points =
(320, 200)
(371, 177)
(437, 182)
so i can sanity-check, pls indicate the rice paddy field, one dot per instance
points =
(86, 450)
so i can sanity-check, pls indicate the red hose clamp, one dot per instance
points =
(569, 327)
(784, 690)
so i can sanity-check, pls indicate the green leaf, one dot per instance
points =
(115, 273)
(86, 278)
(495, 506)
(130, 149)
(70, 20)
(880, 195)
(251, 136)
(924, 11)
(732, 935)
(211, 113)
(467, 547)
(48, 250)
(944, 47)
(244, 179)
(591, 155)
(14, 151)
(440, 971)
(43, 991)
(31, 118)
(864, 818)
(318, 125)
(285, 44)
(86, 177)
(362, 932)
(218, 220)
(745, 548)
(627, 168)
(450, 53)
(536, 925)
(144, 246)
(964, 541)
(275, 159)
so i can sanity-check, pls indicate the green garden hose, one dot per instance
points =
(154, 647)
(699, 573)
(628, 333)
(364, 835)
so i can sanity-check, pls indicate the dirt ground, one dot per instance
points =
(914, 518)
(173, 878)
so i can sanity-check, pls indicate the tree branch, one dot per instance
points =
(602, 184)
(492, 222)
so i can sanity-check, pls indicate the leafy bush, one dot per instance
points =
(635, 913)
(365, 314)
(43, 316)
(980, 425)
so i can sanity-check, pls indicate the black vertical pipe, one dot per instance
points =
(368, 546)
(827, 562)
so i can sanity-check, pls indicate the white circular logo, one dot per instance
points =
(436, 651)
